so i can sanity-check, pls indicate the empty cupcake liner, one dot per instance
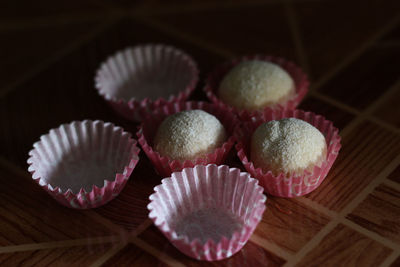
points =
(163, 164)
(139, 79)
(299, 77)
(83, 164)
(207, 212)
(295, 185)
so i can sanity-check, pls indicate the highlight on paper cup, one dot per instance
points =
(138, 79)
(294, 185)
(299, 77)
(84, 164)
(207, 212)
(165, 165)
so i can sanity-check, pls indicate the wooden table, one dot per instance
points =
(351, 50)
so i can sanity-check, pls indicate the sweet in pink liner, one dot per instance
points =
(163, 164)
(299, 77)
(293, 185)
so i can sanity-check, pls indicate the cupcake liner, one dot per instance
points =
(163, 164)
(295, 185)
(299, 77)
(83, 164)
(139, 79)
(207, 212)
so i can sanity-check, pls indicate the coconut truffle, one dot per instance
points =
(188, 135)
(287, 145)
(256, 84)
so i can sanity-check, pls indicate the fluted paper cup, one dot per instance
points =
(299, 77)
(83, 164)
(293, 185)
(165, 165)
(139, 79)
(208, 212)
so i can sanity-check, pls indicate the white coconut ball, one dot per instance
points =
(256, 84)
(188, 135)
(287, 145)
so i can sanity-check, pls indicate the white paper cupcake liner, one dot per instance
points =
(83, 164)
(208, 212)
(138, 79)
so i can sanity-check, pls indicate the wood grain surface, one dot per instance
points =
(290, 224)
(69, 256)
(366, 152)
(380, 212)
(50, 51)
(356, 251)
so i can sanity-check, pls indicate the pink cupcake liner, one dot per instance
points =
(294, 185)
(207, 212)
(83, 164)
(299, 77)
(163, 164)
(139, 79)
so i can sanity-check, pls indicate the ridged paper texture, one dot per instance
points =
(138, 79)
(208, 212)
(82, 162)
